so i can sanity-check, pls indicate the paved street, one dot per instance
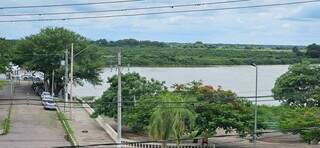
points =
(31, 125)
(4, 93)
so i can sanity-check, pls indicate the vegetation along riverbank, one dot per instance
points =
(153, 53)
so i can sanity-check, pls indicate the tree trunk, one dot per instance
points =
(46, 83)
(58, 89)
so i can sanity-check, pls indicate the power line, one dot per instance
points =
(115, 102)
(37, 54)
(126, 9)
(163, 12)
(67, 5)
(248, 97)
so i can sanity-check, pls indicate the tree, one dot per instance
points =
(233, 115)
(296, 51)
(137, 96)
(303, 121)
(220, 109)
(4, 55)
(45, 51)
(299, 86)
(171, 119)
(313, 51)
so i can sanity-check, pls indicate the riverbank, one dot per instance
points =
(204, 54)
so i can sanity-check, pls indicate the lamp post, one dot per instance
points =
(119, 98)
(255, 108)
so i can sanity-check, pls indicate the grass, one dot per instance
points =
(67, 128)
(2, 83)
(6, 122)
(52, 121)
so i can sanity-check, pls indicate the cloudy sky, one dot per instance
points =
(290, 25)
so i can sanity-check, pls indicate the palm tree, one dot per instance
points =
(170, 119)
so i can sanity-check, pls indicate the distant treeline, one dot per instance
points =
(153, 53)
(134, 42)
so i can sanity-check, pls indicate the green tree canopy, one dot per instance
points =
(218, 108)
(231, 115)
(300, 86)
(313, 51)
(303, 121)
(45, 51)
(137, 96)
(149, 106)
(171, 118)
(297, 51)
(4, 54)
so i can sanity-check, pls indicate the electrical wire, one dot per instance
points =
(38, 54)
(115, 102)
(158, 13)
(127, 9)
(67, 5)
(126, 104)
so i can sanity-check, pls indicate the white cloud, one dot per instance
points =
(264, 25)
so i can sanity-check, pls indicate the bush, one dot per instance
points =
(303, 121)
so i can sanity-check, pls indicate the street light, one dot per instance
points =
(119, 98)
(255, 108)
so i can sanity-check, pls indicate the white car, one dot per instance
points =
(44, 94)
(26, 77)
(46, 98)
(49, 104)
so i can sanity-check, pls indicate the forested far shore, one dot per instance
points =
(165, 54)
(151, 53)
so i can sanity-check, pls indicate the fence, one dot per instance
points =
(159, 145)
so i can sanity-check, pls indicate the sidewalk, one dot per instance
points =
(87, 131)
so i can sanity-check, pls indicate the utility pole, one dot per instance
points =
(52, 83)
(11, 85)
(66, 79)
(255, 108)
(119, 100)
(71, 80)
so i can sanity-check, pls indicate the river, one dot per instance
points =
(239, 79)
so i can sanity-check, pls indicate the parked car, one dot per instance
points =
(26, 77)
(45, 93)
(50, 105)
(46, 98)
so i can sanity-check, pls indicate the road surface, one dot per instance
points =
(31, 125)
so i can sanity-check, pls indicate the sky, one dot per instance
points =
(282, 25)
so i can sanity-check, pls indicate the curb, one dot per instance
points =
(70, 138)
(6, 127)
